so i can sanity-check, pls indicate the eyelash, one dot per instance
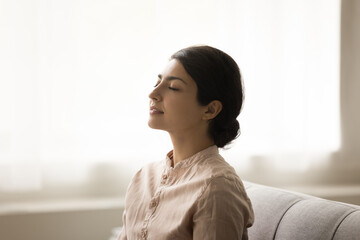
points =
(174, 89)
(171, 88)
(157, 84)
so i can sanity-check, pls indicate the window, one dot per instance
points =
(76, 74)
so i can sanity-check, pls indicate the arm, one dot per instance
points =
(223, 211)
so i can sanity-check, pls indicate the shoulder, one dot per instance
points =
(146, 173)
(217, 169)
(213, 170)
(149, 168)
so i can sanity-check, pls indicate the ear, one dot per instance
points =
(212, 110)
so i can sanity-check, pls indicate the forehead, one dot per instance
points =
(175, 69)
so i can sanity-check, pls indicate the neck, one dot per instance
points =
(186, 145)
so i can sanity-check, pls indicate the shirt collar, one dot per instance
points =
(194, 158)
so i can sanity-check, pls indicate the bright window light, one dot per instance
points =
(75, 77)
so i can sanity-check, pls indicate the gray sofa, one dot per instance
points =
(285, 215)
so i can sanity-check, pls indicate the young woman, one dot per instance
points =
(194, 193)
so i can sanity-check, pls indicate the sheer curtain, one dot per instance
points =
(75, 76)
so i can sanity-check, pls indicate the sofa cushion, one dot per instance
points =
(346, 230)
(281, 214)
(312, 219)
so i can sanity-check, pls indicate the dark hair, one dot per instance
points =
(217, 77)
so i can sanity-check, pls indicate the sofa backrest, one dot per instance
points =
(285, 215)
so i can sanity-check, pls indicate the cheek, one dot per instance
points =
(185, 108)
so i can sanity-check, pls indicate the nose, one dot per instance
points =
(155, 95)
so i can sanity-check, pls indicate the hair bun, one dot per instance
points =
(225, 134)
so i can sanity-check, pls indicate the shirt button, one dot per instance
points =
(153, 203)
(143, 233)
(163, 178)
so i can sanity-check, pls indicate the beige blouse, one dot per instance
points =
(200, 198)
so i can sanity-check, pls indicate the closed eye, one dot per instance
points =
(174, 89)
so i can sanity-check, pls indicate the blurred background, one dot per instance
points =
(74, 82)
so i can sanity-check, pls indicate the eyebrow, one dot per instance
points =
(170, 78)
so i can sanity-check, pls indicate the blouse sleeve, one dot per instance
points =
(223, 211)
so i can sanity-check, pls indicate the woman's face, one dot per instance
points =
(173, 102)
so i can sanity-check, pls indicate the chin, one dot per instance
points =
(153, 125)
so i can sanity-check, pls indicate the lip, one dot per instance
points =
(155, 110)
